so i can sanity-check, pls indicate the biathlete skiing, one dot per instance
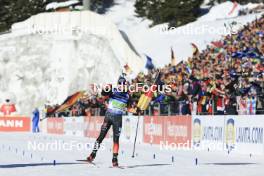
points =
(118, 102)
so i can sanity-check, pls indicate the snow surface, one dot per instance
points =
(157, 44)
(221, 11)
(37, 162)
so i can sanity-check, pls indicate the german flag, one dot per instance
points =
(70, 101)
(146, 98)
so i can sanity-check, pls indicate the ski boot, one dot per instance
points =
(91, 157)
(115, 160)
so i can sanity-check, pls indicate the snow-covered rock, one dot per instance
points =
(52, 55)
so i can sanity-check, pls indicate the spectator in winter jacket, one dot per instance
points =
(35, 121)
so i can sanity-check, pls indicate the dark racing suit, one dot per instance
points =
(118, 102)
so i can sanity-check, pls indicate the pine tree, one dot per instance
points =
(175, 12)
(101, 6)
(141, 8)
(18, 10)
(12, 11)
(5, 16)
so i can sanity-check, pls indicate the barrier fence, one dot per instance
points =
(241, 134)
(176, 108)
(93, 126)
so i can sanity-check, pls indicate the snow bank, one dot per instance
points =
(55, 5)
(252, 5)
(52, 55)
(222, 11)
(226, 10)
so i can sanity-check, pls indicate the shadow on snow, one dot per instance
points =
(35, 164)
(230, 164)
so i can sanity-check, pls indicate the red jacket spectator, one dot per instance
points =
(7, 108)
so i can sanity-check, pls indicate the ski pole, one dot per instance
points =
(134, 147)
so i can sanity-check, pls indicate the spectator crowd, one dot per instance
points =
(225, 78)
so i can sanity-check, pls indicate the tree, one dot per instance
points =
(142, 8)
(12, 11)
(175, 12)
(101, 6)
(4, 14)
(181, 12)
(18, 10)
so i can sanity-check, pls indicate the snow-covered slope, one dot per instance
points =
(52, 55)
(222, 11)
(157, 43)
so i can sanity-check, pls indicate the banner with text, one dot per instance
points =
(74, 126)
(168, 130)
(93, 126)
(153, 128)
(15, 124)
(178, 131)
(55, 125)
(208, 132)
(244, 134)
(129, 128)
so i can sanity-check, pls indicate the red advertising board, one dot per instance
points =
(178, 130)
(168, 129)
(15, 124)
(55, 125)
(153, 129)
(93, 126)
